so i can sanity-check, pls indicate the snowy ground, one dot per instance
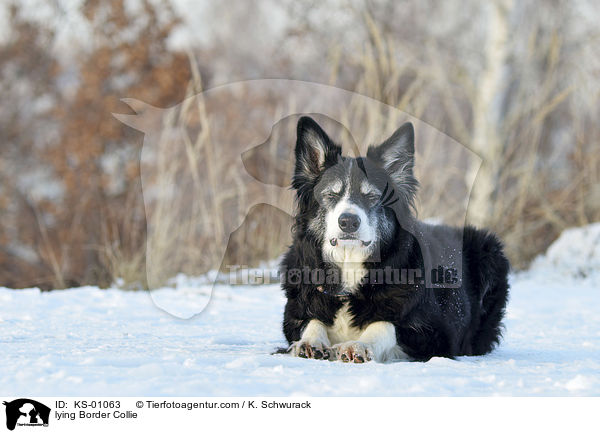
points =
(88, 341)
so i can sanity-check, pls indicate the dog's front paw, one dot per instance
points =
(304, 349)
(353, 351)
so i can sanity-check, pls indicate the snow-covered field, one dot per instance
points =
(88, 341)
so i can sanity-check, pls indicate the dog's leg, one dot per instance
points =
(377, 342)
(313, 343)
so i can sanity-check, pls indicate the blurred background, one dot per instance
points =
(516, 82)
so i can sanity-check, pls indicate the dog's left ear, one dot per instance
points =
(314, 150)
(396, 154)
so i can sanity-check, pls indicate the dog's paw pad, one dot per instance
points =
(303, 352)
(306, 350)
(353, 351)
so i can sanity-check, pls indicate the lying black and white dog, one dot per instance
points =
(354, 276)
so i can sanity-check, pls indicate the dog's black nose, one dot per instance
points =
(349, 222)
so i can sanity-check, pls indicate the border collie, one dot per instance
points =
(360, 276)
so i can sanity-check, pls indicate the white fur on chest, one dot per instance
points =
(351, 266)
(342, 329)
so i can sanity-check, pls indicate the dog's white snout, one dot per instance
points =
(348, 226)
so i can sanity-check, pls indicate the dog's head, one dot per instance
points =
(352, 206)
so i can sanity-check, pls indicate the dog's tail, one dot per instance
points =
(492, 269)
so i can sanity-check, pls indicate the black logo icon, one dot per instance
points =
(31, 410)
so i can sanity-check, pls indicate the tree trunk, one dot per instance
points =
(487, 116)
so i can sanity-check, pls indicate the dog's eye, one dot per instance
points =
(331, 195)
(372, 197)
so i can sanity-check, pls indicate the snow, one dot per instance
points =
(88, 341)
(575, 253)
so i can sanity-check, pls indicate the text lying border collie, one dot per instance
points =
(356, 216)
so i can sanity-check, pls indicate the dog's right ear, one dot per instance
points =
(314, 151)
